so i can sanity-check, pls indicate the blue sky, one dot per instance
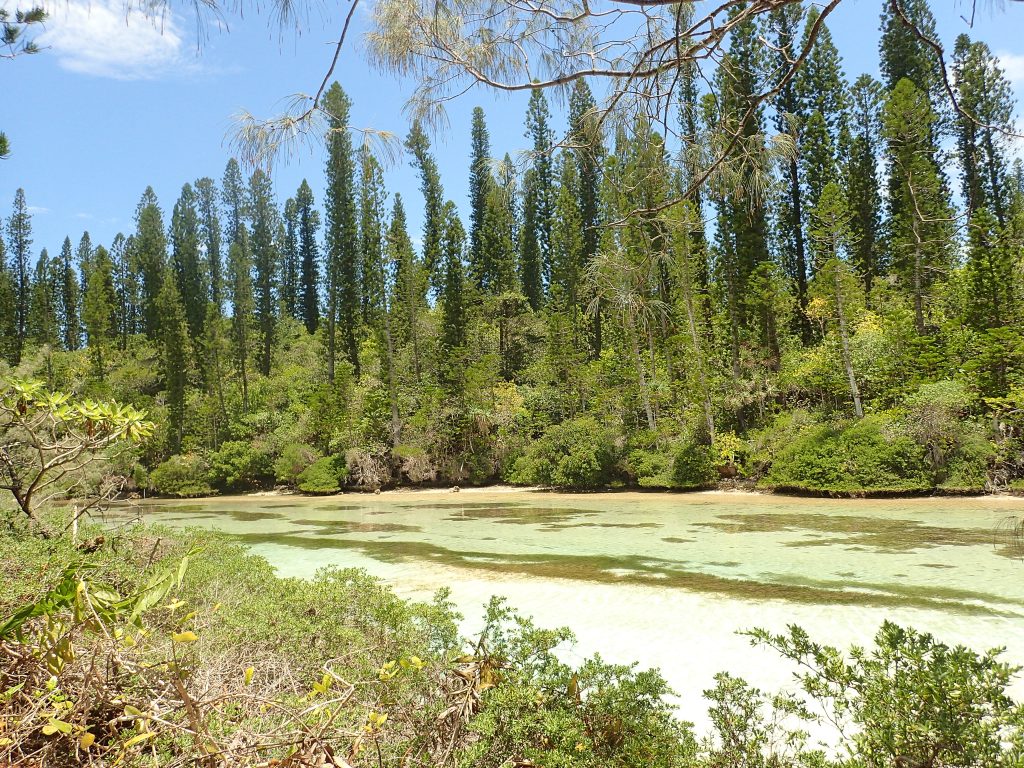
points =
(115, 104)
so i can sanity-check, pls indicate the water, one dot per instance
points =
(664, 579)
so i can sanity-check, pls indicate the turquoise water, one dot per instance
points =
(665, 579)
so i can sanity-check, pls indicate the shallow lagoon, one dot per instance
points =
(666, 579)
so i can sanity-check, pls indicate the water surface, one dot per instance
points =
(665, 579)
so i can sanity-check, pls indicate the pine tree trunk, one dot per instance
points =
(396, 418)
(800, 252)
(734, 329)
(918, 291)
(642, 377)
(858, 408)
(698, 353)
(332, 312)
(242, 354)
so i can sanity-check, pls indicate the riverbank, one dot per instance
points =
(502, 489)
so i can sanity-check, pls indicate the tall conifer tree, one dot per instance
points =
(588, 152)
(539, 194)
(68, 291)
(433, 198)
(410, 283)
(151, 257)
(372, 198)
(19, 244)
(453, 308)
(187, 262)
(243, 304)
(126, 288)
(235, 198)
(174, 356)
(98, 310)
(309, 258)
(265, 258)
(42, 316)
(210, 237)
(342, 235)
(987, 109)
(290, 259)
(480, 181)
(862, 149)
(920, 212)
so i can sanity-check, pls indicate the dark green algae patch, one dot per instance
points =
(880, 534)
(649, 571)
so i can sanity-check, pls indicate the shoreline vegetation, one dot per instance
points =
(730, 489)
(826, 317)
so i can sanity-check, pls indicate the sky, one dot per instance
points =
(115, 103)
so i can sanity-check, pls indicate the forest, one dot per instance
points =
(838, 311)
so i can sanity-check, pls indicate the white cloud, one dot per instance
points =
(105, 39)
(36, 209)
(1013, 66)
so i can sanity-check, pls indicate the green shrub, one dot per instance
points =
(547, 712)
(185, 476)
(294, 459)
(574, 454)
(910, 700)
(693, 467)
(966, 470)
(956, 449)
(783, 431)
(651, 469)
(325, 475)
(240, 466)
(865, 456)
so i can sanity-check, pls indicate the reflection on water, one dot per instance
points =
(666, 579)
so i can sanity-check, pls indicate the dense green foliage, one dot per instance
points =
(693, 467)
(576, 328)
(325, 475)
(184, 475)
(867, 455)
(575, 454)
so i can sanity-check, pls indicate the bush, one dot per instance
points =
(957, 452)
(767, 443)
(325, 475)
(575, 454)
(910, 700)
(651, 469)
(865, 456)
(185, 476)
(240, 466)
(966, 470)
(547, 712)
(693, 467)
(294, 459)
(367, 468)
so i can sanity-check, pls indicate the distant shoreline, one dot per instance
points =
(503, 489)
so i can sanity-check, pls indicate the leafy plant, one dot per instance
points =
(574, 454)
(185, 475)
(49, 442)
(865, 456)
(294, 459)
(693, 467)
(325, 475)
(911, 700)
(239, 465)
